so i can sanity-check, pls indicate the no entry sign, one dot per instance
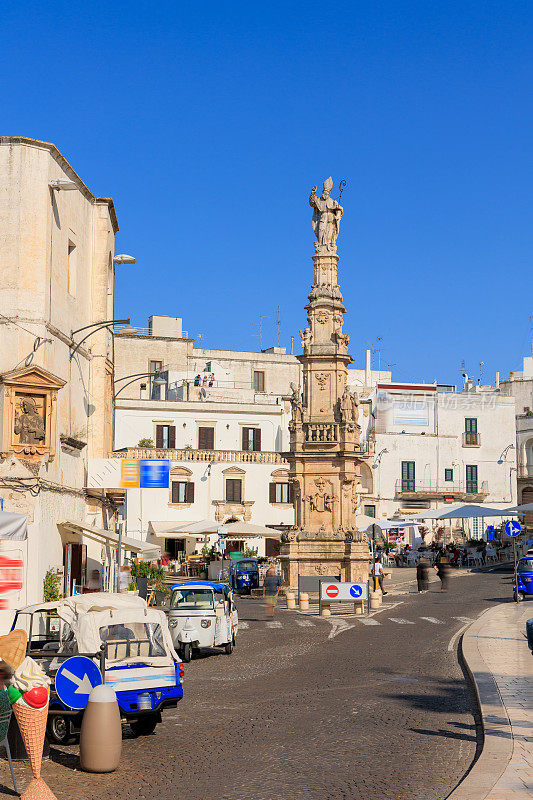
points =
(343, 591)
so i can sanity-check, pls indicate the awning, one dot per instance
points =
(145, 550)
(13, 526)
(188, 530)
(468, 511)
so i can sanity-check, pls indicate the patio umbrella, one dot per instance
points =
(246, 529)
(467, 511)
(195, 528)
(521, 509)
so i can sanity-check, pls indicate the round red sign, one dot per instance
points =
(332, 591)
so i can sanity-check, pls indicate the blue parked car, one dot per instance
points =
(244, 575)
(524, 576)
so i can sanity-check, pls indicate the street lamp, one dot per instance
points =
(98, 326)
(125, 259)
(504, 453)
(63, 183)
(377, 462)
(158, 380)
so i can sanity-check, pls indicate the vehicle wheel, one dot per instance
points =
(228, 648)
(186, 652)
(145, 725)
(518, 596)
(59, 729)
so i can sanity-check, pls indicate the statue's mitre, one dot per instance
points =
(328, 183)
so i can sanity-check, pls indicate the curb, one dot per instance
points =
(497, 747)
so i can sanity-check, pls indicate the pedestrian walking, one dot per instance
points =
(379, 574)
(271, 587)
(422, 575)
(442, 568)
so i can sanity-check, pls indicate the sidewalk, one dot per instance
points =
(501, 665)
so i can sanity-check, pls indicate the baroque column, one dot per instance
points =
(325, 451)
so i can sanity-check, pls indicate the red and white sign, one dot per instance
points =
(331, 590)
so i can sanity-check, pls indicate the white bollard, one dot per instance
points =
(358, 608)
(291, 600)
(326, 610)
(375, 599)
(304, 601)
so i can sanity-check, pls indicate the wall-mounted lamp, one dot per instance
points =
(377, 462)
(504, 453)
(124, 258)
(63, 183)
(98, 326)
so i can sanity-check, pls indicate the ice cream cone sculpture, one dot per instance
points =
(29, 694)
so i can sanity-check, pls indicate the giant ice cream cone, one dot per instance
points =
(32, 724)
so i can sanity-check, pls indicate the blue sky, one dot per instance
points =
(209, 123)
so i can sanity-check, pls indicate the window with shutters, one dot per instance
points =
(259, 381)
(471, 478)
(251, 439)
(233, 490)
(182, 492)
(369, 511)
(408, 476)
(448, 475)
(280, 493)
(471, 435)
(206, 438)
(165, 437)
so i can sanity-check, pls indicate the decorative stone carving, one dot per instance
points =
(307, 339)
(327, 215)
(342, 339)
(322, 379)
(29, 401)
(322, 317)
(338, 320)
(296, 405)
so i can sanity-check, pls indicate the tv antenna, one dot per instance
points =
(278, 322)
(259, 325)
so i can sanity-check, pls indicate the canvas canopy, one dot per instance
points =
(195, 530)
(13, 527)
(243, 530)
(145, 550)
(89, 618)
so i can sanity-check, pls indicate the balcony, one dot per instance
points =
(471, 439)
(418, 490)
(212, 456)
(321, 432)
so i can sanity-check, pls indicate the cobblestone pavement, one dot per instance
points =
(311, 709)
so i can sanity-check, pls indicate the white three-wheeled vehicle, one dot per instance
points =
(202, 614)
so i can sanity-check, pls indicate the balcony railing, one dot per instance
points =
(321, 432)
(471, 439)
(445, 488)
(186, 454)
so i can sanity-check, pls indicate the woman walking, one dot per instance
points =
(271, 587)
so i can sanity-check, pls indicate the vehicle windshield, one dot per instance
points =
(246, 566)
(191, 599)
(133, 640)
(525, 566)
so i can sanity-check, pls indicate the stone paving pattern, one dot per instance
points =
(375, 713)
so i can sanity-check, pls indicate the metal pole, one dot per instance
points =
(515, 565)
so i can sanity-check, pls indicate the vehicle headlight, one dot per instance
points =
(205, 623)
(172, 623)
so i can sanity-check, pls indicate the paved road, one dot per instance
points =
(313, 709)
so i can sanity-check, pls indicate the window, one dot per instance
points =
(471, 478)
(132, 640)
(251, 439)
(206, 438)
(233, 490)
(71, 268)
(165, 436)
(259, 381)
(370, 511)
(192, 599)
(408, 476)
(182, 492)
(471, 433)
(448, 474)
(280, 493)
(155, 391)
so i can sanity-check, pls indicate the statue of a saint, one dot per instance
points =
(296, 404)
(355, 406)
(346, 406)
(29, 425)
(307, 338)
(327, 215)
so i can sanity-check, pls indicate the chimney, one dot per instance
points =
(292, 345)
(368, 371)
(497, 380)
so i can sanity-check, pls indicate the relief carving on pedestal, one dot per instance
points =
(322, 317)
(322, 379)
(320, 500)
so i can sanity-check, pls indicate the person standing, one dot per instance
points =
(442, 568)
(271, 587)
(379, 574)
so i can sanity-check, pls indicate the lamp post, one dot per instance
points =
(97, 327)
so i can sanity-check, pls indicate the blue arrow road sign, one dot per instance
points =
(512, 528)
(356, 590)
(75, 679)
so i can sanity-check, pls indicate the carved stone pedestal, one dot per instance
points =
(324, 555)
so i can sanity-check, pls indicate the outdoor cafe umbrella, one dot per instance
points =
(243, 530)
(468, 511)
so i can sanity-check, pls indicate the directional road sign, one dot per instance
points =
(75, 679)
(343, 591)
(512, 528)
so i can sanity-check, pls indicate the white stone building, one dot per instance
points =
(56, 251)
(434, 445)
(520, 386)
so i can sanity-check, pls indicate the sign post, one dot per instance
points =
(375, 531)
(75, 680)
(513, 528)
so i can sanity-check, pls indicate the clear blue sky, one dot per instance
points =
(209, 123)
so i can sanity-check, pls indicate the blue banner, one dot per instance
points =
(155, 474)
